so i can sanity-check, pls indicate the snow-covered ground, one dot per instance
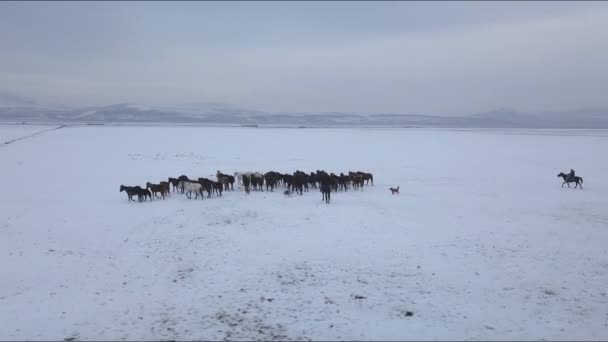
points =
(11, 132)
(482, 242)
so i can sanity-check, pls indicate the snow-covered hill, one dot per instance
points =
(14, 109)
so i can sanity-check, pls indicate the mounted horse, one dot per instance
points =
(567, 180)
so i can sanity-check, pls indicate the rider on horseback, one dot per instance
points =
(571, 176)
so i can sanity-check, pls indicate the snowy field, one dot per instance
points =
(482, 242)
(11, 132)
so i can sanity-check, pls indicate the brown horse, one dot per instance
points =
(166, 188)
(156, 188)
(367, 177)
(227, 180)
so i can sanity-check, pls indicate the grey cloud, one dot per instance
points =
(440, 57)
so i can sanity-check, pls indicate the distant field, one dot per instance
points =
(482, 242)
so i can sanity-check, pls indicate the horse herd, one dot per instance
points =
(297, 182)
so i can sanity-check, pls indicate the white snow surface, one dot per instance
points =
(10, 132)
(482, 242)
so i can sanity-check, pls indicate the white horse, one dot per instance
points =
(190, 187)
(239, 175)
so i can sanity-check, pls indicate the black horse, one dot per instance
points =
(567, 180)
(326, 191)
(130, 190)
(247, 184)
(174, 182)
(218, 187)
(143, 193)
(207, 185)
(136, 190)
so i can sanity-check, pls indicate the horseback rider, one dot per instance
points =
(571, 175)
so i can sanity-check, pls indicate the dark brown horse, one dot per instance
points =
(156, 188)
(367, 177)
(226, 180)
(166, 188)
(257, 182)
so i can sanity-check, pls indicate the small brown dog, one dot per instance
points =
(394, 191)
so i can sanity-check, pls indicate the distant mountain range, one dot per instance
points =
(16, 109)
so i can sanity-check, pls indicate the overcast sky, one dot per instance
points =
(448, 58)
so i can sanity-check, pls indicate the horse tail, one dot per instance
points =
(581, 178)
